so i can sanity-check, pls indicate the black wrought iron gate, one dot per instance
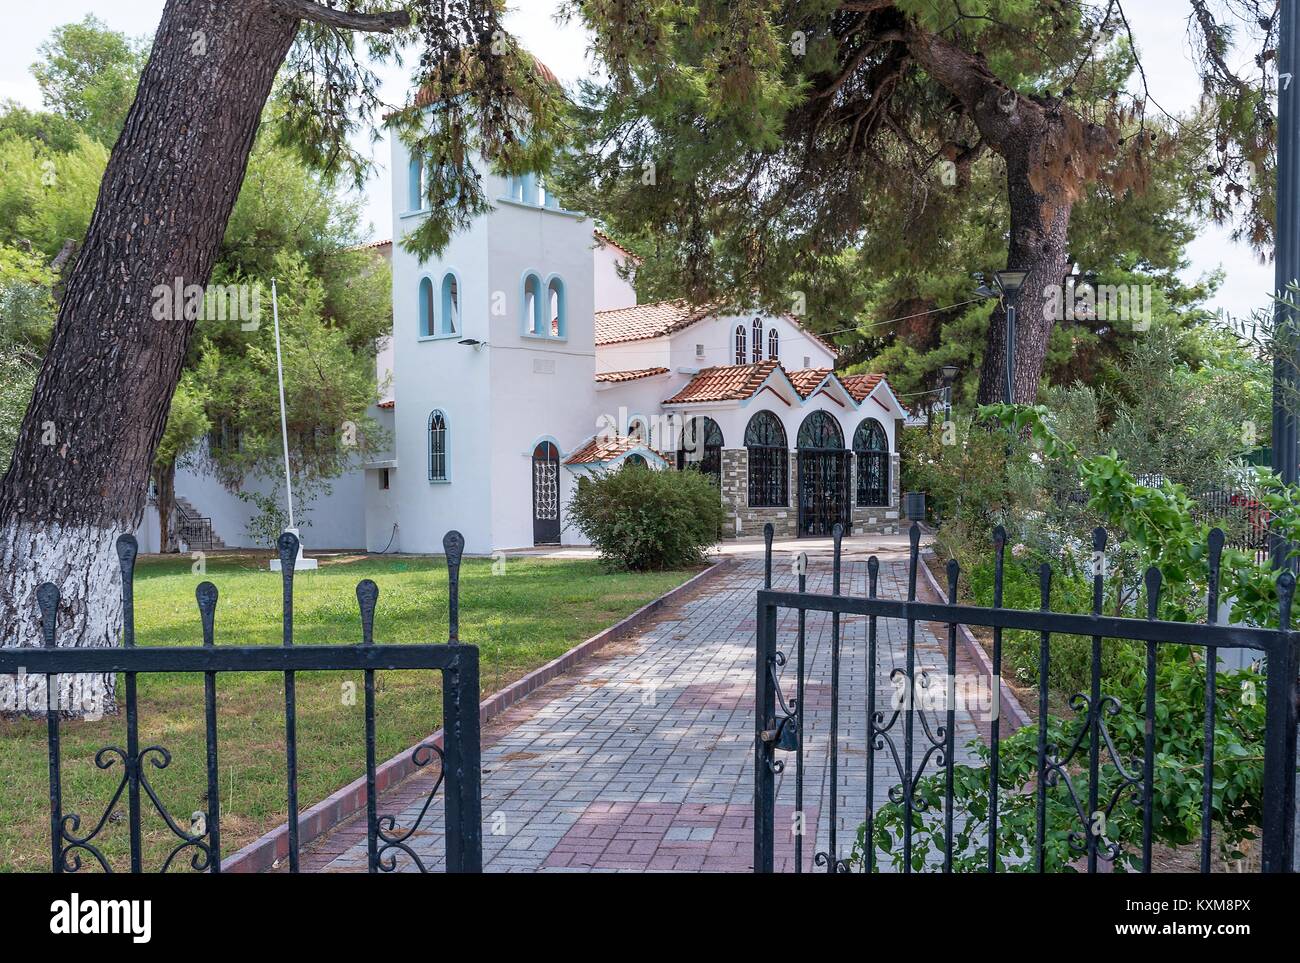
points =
(1080, 768)
(824, 497)
(390, 845)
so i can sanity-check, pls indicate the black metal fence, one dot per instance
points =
(201, 841)
(902, 732)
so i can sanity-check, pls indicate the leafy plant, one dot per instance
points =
(643, 519)
(1236, 792)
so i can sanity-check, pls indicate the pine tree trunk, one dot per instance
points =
(81, 463)
(1050, 155)
(1038, 244)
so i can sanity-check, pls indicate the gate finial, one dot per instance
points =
(453, 544)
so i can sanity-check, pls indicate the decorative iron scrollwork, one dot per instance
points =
(105, 758)
(386, 826)
(1057, 772)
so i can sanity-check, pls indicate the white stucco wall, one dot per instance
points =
(611, 291)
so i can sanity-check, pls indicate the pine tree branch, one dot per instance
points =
(385, 22)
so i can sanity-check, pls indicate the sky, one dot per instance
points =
(1159, 26)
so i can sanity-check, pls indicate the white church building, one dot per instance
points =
(520, 361)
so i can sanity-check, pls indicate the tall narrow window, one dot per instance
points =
(871, 447)
(450, 304)
(533, 305)
(774, 345)
(415, 185)
(769, 461)
(555, 307)
(516, 188)
(758, 340)
(740, 344)
(437, 447)
(426, 308)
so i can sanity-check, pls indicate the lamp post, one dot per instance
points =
(949, 372)
(1009, 282)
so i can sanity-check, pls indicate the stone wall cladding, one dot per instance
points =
(879, 519)
(744, 520)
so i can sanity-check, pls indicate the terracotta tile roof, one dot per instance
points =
(371, 245)
(861, 385)
(643, 321)
(617, 376)
(654, 320)
(805, 380)
(601, 449)
(605, 239)
(725, 383)
(387, 404)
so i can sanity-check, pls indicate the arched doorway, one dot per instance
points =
(546, 494)
(871, 447)
(701, 448)
(824, 470)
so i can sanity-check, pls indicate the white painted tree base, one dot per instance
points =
(81, 560)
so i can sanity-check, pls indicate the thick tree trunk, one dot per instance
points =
(81, 464)
(1051, 155)
(1038, 242)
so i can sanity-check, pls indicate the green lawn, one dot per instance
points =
(527, 613)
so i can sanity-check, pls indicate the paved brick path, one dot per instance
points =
(642, 758)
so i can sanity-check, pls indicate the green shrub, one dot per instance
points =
(642, 519)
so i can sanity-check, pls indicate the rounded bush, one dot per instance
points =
(642, 519)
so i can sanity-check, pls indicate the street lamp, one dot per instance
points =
(949, 372)
(1009, 282)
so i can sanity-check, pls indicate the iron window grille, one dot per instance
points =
(871, 446)
(769, 462)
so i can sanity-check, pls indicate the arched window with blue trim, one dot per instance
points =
(426, 308)
(533, 306)
(555, 307)
(450, 304)
(740, 344)
(758, 340)
(415, 184)
(439, 460)
(774, 345)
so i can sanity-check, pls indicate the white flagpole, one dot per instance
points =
(284, 421)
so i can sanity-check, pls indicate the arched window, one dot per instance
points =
(758, 340)
(774, 345)
(769, 461)
(439, 461)
(740, 344)
(821, 430)
(516, 185)
(871, 446)
(415, 184)
(701, 447)
(555, 307)
(635, 461)
(450, 304)
(426, 308)
(533, 305)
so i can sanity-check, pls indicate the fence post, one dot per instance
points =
(464, 810)
(1280, 741)
(765, 719)
(460, 726)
